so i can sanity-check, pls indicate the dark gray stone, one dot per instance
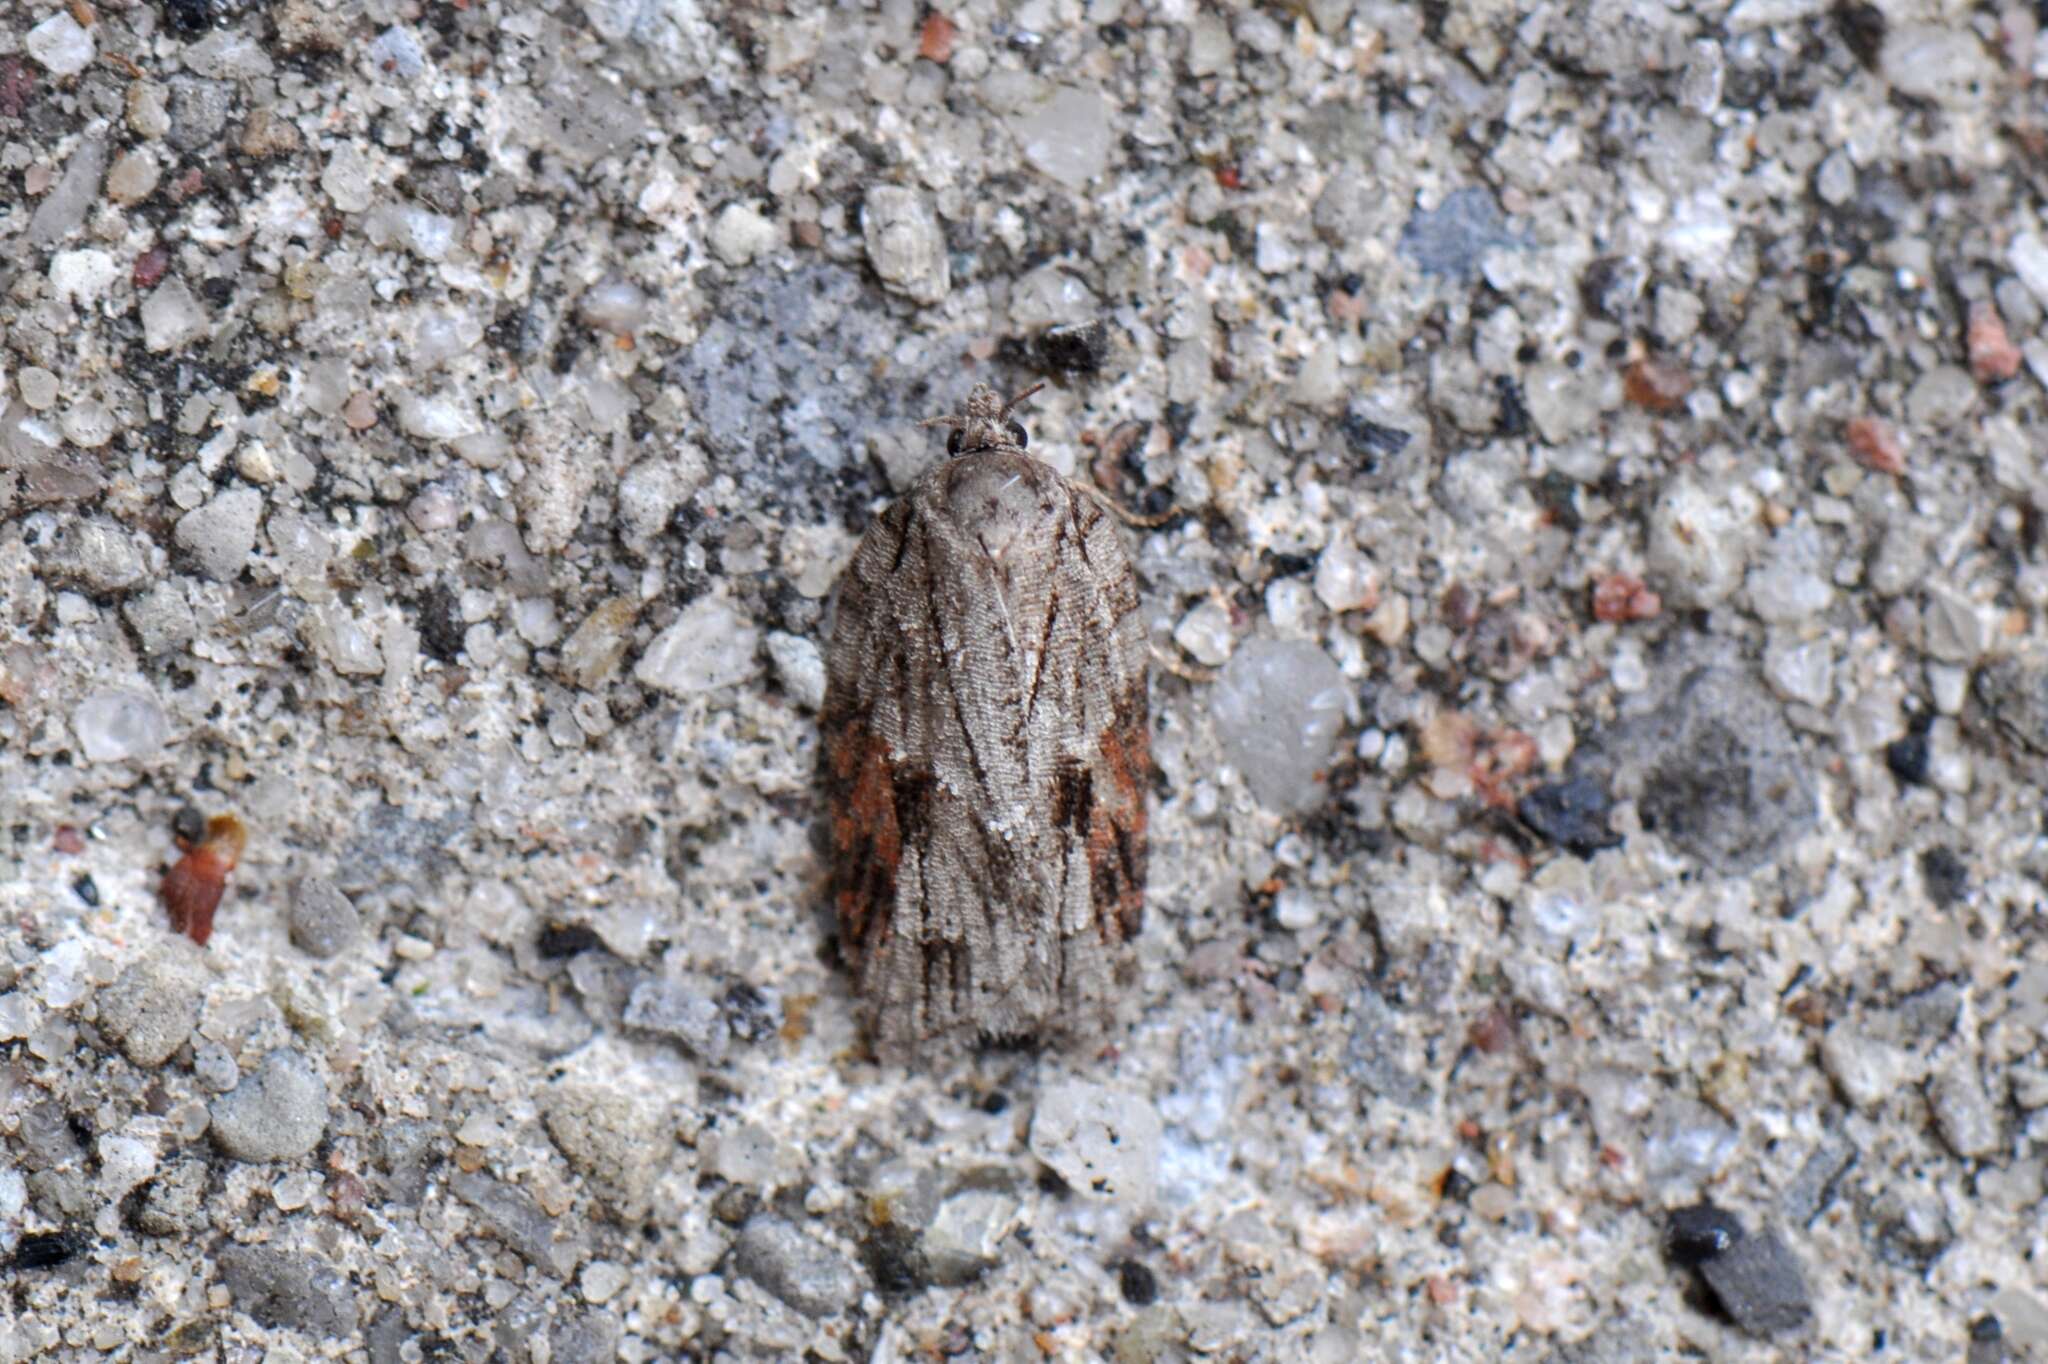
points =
(1722, 779)
(289, 1288)
(809, 1276)
(323, 921)
(511, 1215)
(1761, 1285)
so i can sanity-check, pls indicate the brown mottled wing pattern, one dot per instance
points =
(987, 752)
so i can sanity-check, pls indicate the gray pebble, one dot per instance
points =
(905, 243)
(323, 921)
(1278, 706)
(966, 1235)
(585, 1338)
(46, 1138)
(2014, 692)
(1760, 1283)
(213, 1065)
(151, 1009)
(1451, 238)
(685, 1012)
(1962, 1111)
(291, 1289)
(810, 1277)
(510, 1214)
(278, 1112)
(613, 1138)
(222, 534)
(1723, 779)
(64, 207)
(174, 1202)
(199, 111)
(1373, 1055)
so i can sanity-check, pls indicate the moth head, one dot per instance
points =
(985, 423)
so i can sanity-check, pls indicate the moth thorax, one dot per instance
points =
(1003, 500)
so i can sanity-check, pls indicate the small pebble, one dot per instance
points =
(1696, 1234)
(60, 45)
(289, 1288)
(1278, 706)
(905, 244)
(740, 233)
(809, 1276)
(133, 176)
(1346, 578)
(1993, 356)
(37, 386)
(322, 920)
(213, 1066)
(1104, 1142)
(1572, 814)
(685, 1011)
(277, 1112)
(1073, 348)
(1069, 136)
(1761, 1284)
(602, 1281)
(1205, 632)
(152, 1007)
(710, 646)
(221, 535)
(613, 1136)
(172, 317)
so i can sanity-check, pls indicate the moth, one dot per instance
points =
(986, 752)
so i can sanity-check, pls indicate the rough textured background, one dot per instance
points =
(1599, 730)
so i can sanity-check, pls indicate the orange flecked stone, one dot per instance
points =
(1875, 445)
(935, 43)
(1993, 356)
(1656, 385)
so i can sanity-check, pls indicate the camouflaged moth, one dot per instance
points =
(986, 752)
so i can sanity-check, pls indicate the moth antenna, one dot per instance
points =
(1022, 396)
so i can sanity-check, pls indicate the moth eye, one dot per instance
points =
(953, 442)
(1020, 435)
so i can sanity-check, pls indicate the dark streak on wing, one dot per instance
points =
(946, 672)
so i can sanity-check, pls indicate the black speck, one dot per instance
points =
(1074, 348)
(1946, 878)
(1139, 1286)
(1572, 814)
(895, 1260)
(1372, 442)
(1457, 1186)
(1695, 1235)
(1513, 418)
(1180, 417)
(188, 825)
(86, 890)
(995, 1102)
(188, 18)
(566, 940)
(441, 624)
(44, 1250)
(1986, 1328)
(1907, 758)
(1862, 28)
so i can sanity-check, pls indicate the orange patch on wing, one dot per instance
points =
(866, 837)
(1116, 832)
